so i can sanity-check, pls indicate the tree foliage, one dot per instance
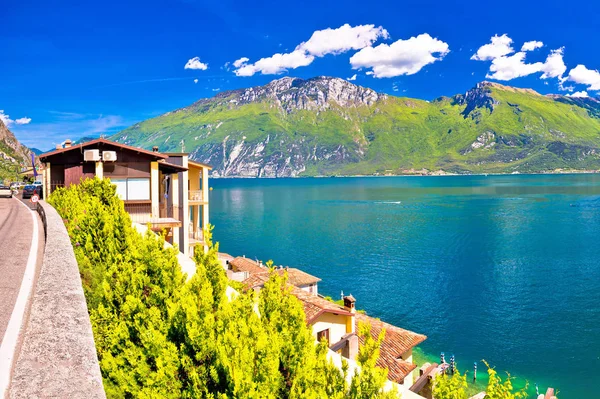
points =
(161, 335)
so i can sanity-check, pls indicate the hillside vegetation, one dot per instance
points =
(328, 126)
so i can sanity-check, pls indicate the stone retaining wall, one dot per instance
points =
(58, 356)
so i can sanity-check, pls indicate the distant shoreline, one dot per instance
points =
(433, 174)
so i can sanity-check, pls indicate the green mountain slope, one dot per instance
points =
(327, 126)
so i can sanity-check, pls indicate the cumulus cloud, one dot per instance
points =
(240, 62)
(580, 94)
(506, 65)
(353, 77)
(554, 67)
(195, 80)
(342, 39)
(5, 118)
(532, 45)
(511, 67)
(403, 57)
(499, 46)
(194, 63)
(589, 77)
(276, 64)
(23, 121)
(321, 43)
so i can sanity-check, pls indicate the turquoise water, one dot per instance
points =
(501, 268)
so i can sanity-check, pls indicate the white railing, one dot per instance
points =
(195, 195)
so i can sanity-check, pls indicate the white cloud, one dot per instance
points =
(217, 89)
(403, 57)
(276, 64)
(23, 121)
(353, 77)
(7, 121)
(5, 118)
(532, 45)
(67, 125)
(499, 46)
(240, 62)
(511, 67)
(506, 65)
(342, 39)
(554, 67)
(580, 74)
(580, 94)
(194, 63)
(195, 80)
(321, 43)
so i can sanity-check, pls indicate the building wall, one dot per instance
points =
(335, 323)
(312, 288)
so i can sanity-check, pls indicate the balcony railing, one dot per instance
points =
(139, 212)
(195, 195)
(168, 211)
(196, 237)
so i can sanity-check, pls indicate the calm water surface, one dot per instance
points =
(502, 268)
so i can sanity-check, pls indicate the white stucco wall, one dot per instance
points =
(335, 323)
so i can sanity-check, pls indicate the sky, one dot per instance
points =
(70, 69)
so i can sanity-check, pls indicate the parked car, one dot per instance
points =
(31, 189)
(5, 191)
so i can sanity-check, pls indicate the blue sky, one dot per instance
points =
(86, 68)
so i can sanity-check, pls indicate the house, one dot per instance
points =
(167, 191)
(337, 324)
(249, 268)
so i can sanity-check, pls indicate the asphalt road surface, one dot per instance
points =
(16, 228)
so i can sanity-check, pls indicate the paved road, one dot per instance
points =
(16, 227)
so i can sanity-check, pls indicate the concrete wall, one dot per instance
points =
(58, 357)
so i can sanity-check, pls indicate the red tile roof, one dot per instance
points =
(241, 264)
(297, 277)
(396, 342)
(314, 305)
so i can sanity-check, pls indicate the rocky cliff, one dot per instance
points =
(13, 155)
(329, 126)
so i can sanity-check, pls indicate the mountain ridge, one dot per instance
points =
(330, 126)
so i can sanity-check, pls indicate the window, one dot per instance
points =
(138, 189)
(132, 188)
(323, 335)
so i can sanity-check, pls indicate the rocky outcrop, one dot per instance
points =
(293, 94)
(12, 152)
(245, 159)
(478, 97)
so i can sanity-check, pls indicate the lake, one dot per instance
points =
(501, 268)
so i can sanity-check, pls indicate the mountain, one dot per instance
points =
(13, 155)
(329, 126)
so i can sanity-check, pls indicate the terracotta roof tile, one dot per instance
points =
(241, 264)
(396, 342)
(315, 305)
(297, 277)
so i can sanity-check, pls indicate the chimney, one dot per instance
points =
(349, 302)
(155, 148)
(352, 347)
(68, 143)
